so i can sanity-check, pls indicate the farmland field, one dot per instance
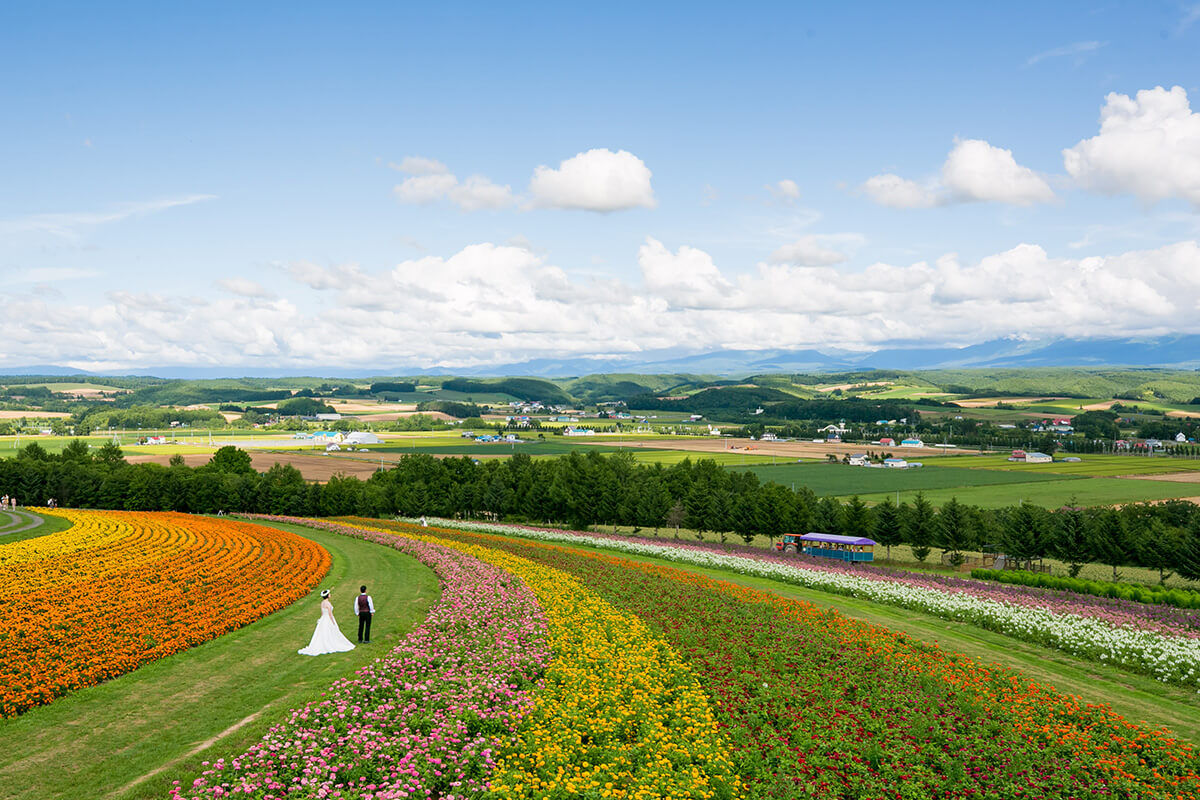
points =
(844, 480)
(1054, 493)
(1091, 465)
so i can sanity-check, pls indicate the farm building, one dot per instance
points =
(1037, 458)
(912, 443)
(579, 432)
(361, 437)
(834, 430)
(887, 441)
(1017, 455)
(895, 463)
(328, 417)
(858, 460)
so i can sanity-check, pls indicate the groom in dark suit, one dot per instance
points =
(364, 606)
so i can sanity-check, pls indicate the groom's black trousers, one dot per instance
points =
(364, 626)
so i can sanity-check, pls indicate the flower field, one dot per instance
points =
(117, 590)
(1159, 641)
(818, 705)
(534, 687)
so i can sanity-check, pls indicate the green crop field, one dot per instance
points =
(844, 480)
(1090, 465)
(1054, 493)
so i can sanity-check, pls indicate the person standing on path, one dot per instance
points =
(364, 606)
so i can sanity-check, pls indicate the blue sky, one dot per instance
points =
(227, 184)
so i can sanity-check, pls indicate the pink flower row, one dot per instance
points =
(1163, 620)
(427, 719)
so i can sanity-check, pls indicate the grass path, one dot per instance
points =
(1135, 697)
(29, 526)
(132, 736)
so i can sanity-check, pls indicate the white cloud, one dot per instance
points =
(596, 180)
(1074, 49)
(424, 189)
(71, 225)
(478, 192)
(892, 190)
(1148, 146)
(785, 190)
(808, 251)
(974, 171)
(417, 165)
(492, 303)
(432, 181)
(244, 287)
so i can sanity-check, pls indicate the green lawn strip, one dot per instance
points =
(48, 525)
(1135, 697)
(1052, 494)
(844, 480)
(173, 714)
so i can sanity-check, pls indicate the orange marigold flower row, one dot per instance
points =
(119, 589)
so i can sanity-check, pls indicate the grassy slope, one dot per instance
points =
(99, 740)
(1133, 696)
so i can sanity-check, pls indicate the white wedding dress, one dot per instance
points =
(327, 638)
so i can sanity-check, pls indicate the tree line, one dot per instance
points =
(597, 490)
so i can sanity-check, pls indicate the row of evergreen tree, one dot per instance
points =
(596, 490)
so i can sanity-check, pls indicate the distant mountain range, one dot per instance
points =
(1181, 352)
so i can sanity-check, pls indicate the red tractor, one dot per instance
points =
(791, 543)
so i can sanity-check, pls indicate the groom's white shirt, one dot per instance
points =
(370, 604)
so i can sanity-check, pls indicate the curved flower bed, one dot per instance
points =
(120, 589)
(816, 704)
(428, 719)
(619, 714)
(1164, 652)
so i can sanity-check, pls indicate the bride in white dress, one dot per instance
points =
(327, 638)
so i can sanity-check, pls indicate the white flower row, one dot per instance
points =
(1166, 658)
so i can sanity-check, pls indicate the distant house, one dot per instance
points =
(858, 460)
(579, 432)
(895, 463)
(768, 437)
(887, 441)
(328, 417)
(361, 438)
(911, 443)
(1017, 455)
(327, 436)
(1037, 458)
(1179, 437)
(836, 430)
(301, 435)
(1154, 444)
(333, 448)
(696, 417)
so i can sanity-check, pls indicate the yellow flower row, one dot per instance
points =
(620, 715)
(97, 545)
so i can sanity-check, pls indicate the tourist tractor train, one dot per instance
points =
(828, 545)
